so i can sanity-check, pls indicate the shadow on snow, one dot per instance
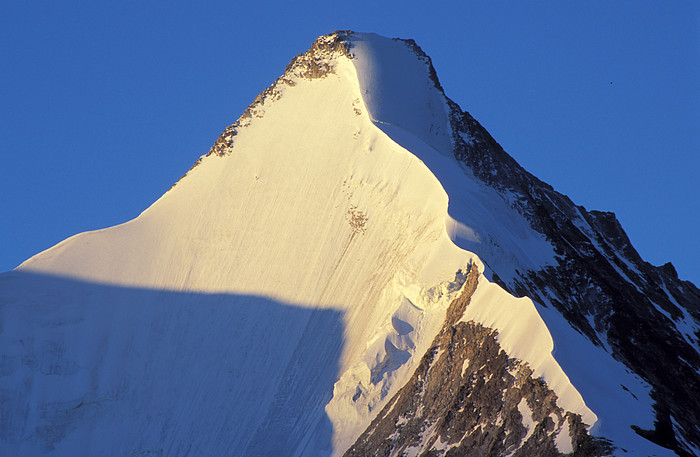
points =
(93, 369)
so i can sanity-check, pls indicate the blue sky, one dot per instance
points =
(103, 105)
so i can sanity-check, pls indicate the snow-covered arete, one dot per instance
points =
(277, 297)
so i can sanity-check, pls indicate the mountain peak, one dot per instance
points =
(391, 73)
(366, 263)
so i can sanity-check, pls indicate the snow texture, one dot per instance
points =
(275, 299)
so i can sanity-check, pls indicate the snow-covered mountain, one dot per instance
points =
(355, 268)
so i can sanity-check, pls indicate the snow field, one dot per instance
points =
(276, 298)
(315, 209)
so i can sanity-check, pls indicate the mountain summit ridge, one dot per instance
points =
(354, 185)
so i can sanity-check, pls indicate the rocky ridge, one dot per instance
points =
(315, 63)
(636, 311)
(468, 398)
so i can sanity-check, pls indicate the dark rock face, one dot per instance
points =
(633, 305)
(467, 398)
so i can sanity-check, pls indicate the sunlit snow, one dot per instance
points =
(274, 300)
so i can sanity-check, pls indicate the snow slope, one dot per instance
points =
(328, 218)
(275, 298)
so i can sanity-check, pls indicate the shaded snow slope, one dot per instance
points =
(292, 281)
(405, 101)
(487, 222)
(314, 208)
(95, 370)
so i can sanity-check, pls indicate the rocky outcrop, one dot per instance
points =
(316, 63)
(468, 398)
(644, 315)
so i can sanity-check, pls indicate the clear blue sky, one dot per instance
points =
(103, 105)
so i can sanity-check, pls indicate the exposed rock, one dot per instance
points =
(599, 277)
(317, 62)
(223, 144)
(425, 58)
(467, 398)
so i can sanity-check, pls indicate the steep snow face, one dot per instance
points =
(413, 111)
(322, 239)
(404, 101)
(312, 264)
(397, 89)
